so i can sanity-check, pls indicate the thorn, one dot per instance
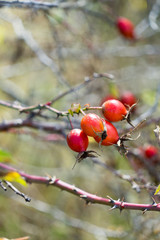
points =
(3, 187)
(154, 202)
(52, 180)
(121, 207)
(112, 208)
(88, 202)
(83, 196)
(74, 189)
(145, 210)
(111, 200)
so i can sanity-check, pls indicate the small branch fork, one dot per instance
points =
(88, 197)
(14, 189)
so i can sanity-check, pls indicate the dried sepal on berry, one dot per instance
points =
(82, 155)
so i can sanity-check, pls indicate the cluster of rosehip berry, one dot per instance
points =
(102, 130)
(126, 97)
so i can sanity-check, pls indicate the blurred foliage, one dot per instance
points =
(79, 43)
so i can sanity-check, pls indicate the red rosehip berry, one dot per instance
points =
(91, 124)
(112, 135)
(128, 98)
(150, 151)
(113, 110)
(126, 28)
(77, 140)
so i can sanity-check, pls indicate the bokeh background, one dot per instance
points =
(45, 53)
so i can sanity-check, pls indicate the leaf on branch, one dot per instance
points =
(14, 177)
(75, 108)
(157, 190)
(5, 156)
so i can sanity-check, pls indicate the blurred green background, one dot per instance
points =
(79, 43)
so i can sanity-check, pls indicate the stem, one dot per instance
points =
(92, 108)
(88, 197)
(81, 110)
(70, 121)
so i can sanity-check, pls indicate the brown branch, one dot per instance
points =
(48, 127)
(88, 197)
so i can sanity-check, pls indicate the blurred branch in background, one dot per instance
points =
(98, 233)
(24, 34)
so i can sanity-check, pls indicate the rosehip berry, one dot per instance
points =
(112, 135)
(128, 98)
(91, 124)
(126, 28)
(150, 151)
(77, 140)
(113, 110)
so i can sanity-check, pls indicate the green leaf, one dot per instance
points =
(5, 156)
(70, 112)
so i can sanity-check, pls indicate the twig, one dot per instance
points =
(2, 186)
(14, 189)
(88, 197)
(126, 177)
(153, 15)
(87, 80)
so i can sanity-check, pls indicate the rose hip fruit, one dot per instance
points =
(112, 135)
(92, 124)
(150, 151)
(77, 140)
(113, 110)
(128, 98)
(126, 28)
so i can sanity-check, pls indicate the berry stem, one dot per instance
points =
(92, 108)
(81, 110)
(70, 121)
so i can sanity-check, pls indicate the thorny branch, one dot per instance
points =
(88, 197)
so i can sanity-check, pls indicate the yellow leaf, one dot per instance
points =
(14, 177)
(157, 190)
